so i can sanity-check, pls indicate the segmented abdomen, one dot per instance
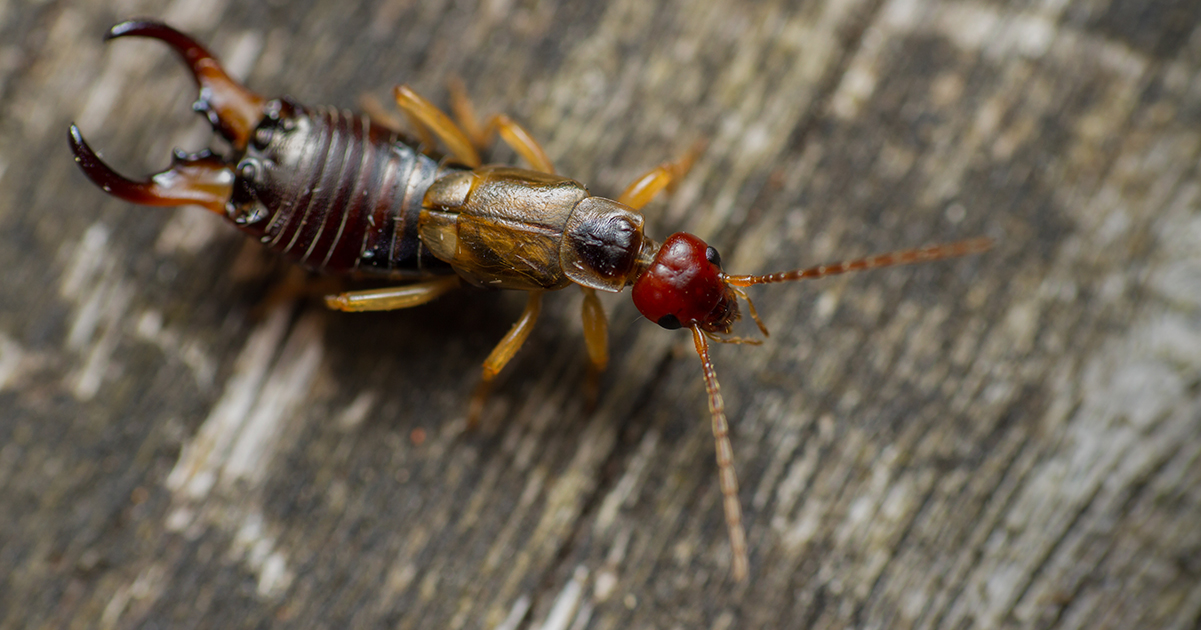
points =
(353, 197)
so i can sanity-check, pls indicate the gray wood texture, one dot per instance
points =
(1010, 440)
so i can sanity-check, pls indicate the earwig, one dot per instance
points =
(339, 193)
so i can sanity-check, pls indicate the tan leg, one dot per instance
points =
(379, 114)
(392, 298)
(512, 133)
(666, 175)
(521, 141)
(432, 118)
(464, 111)
(424, 135)
(596, 338)
(502, 353)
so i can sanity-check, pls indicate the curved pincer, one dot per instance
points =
(201, 178)
(233, 110)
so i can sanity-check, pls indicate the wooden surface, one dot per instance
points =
(1011, 440)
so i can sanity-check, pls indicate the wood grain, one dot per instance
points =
(1010, 440)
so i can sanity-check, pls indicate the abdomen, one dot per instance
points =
(340, 194)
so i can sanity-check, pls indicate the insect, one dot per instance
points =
(342, 194)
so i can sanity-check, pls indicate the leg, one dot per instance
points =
(379, 114)
(432, 118)
(666, 175)
(520, 140)
(392, 298)
(512, 133)
(596, 338)
(502, 353)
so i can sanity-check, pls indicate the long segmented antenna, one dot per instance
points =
(727, 477)
(903, 257)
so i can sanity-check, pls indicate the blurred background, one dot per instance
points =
(1007, 440)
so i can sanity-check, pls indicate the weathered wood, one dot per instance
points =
(1012, 440)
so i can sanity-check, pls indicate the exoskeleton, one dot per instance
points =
(341, 194)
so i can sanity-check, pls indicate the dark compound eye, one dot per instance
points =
(712, 256)
(670, 322)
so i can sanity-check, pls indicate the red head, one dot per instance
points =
(684, 286)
